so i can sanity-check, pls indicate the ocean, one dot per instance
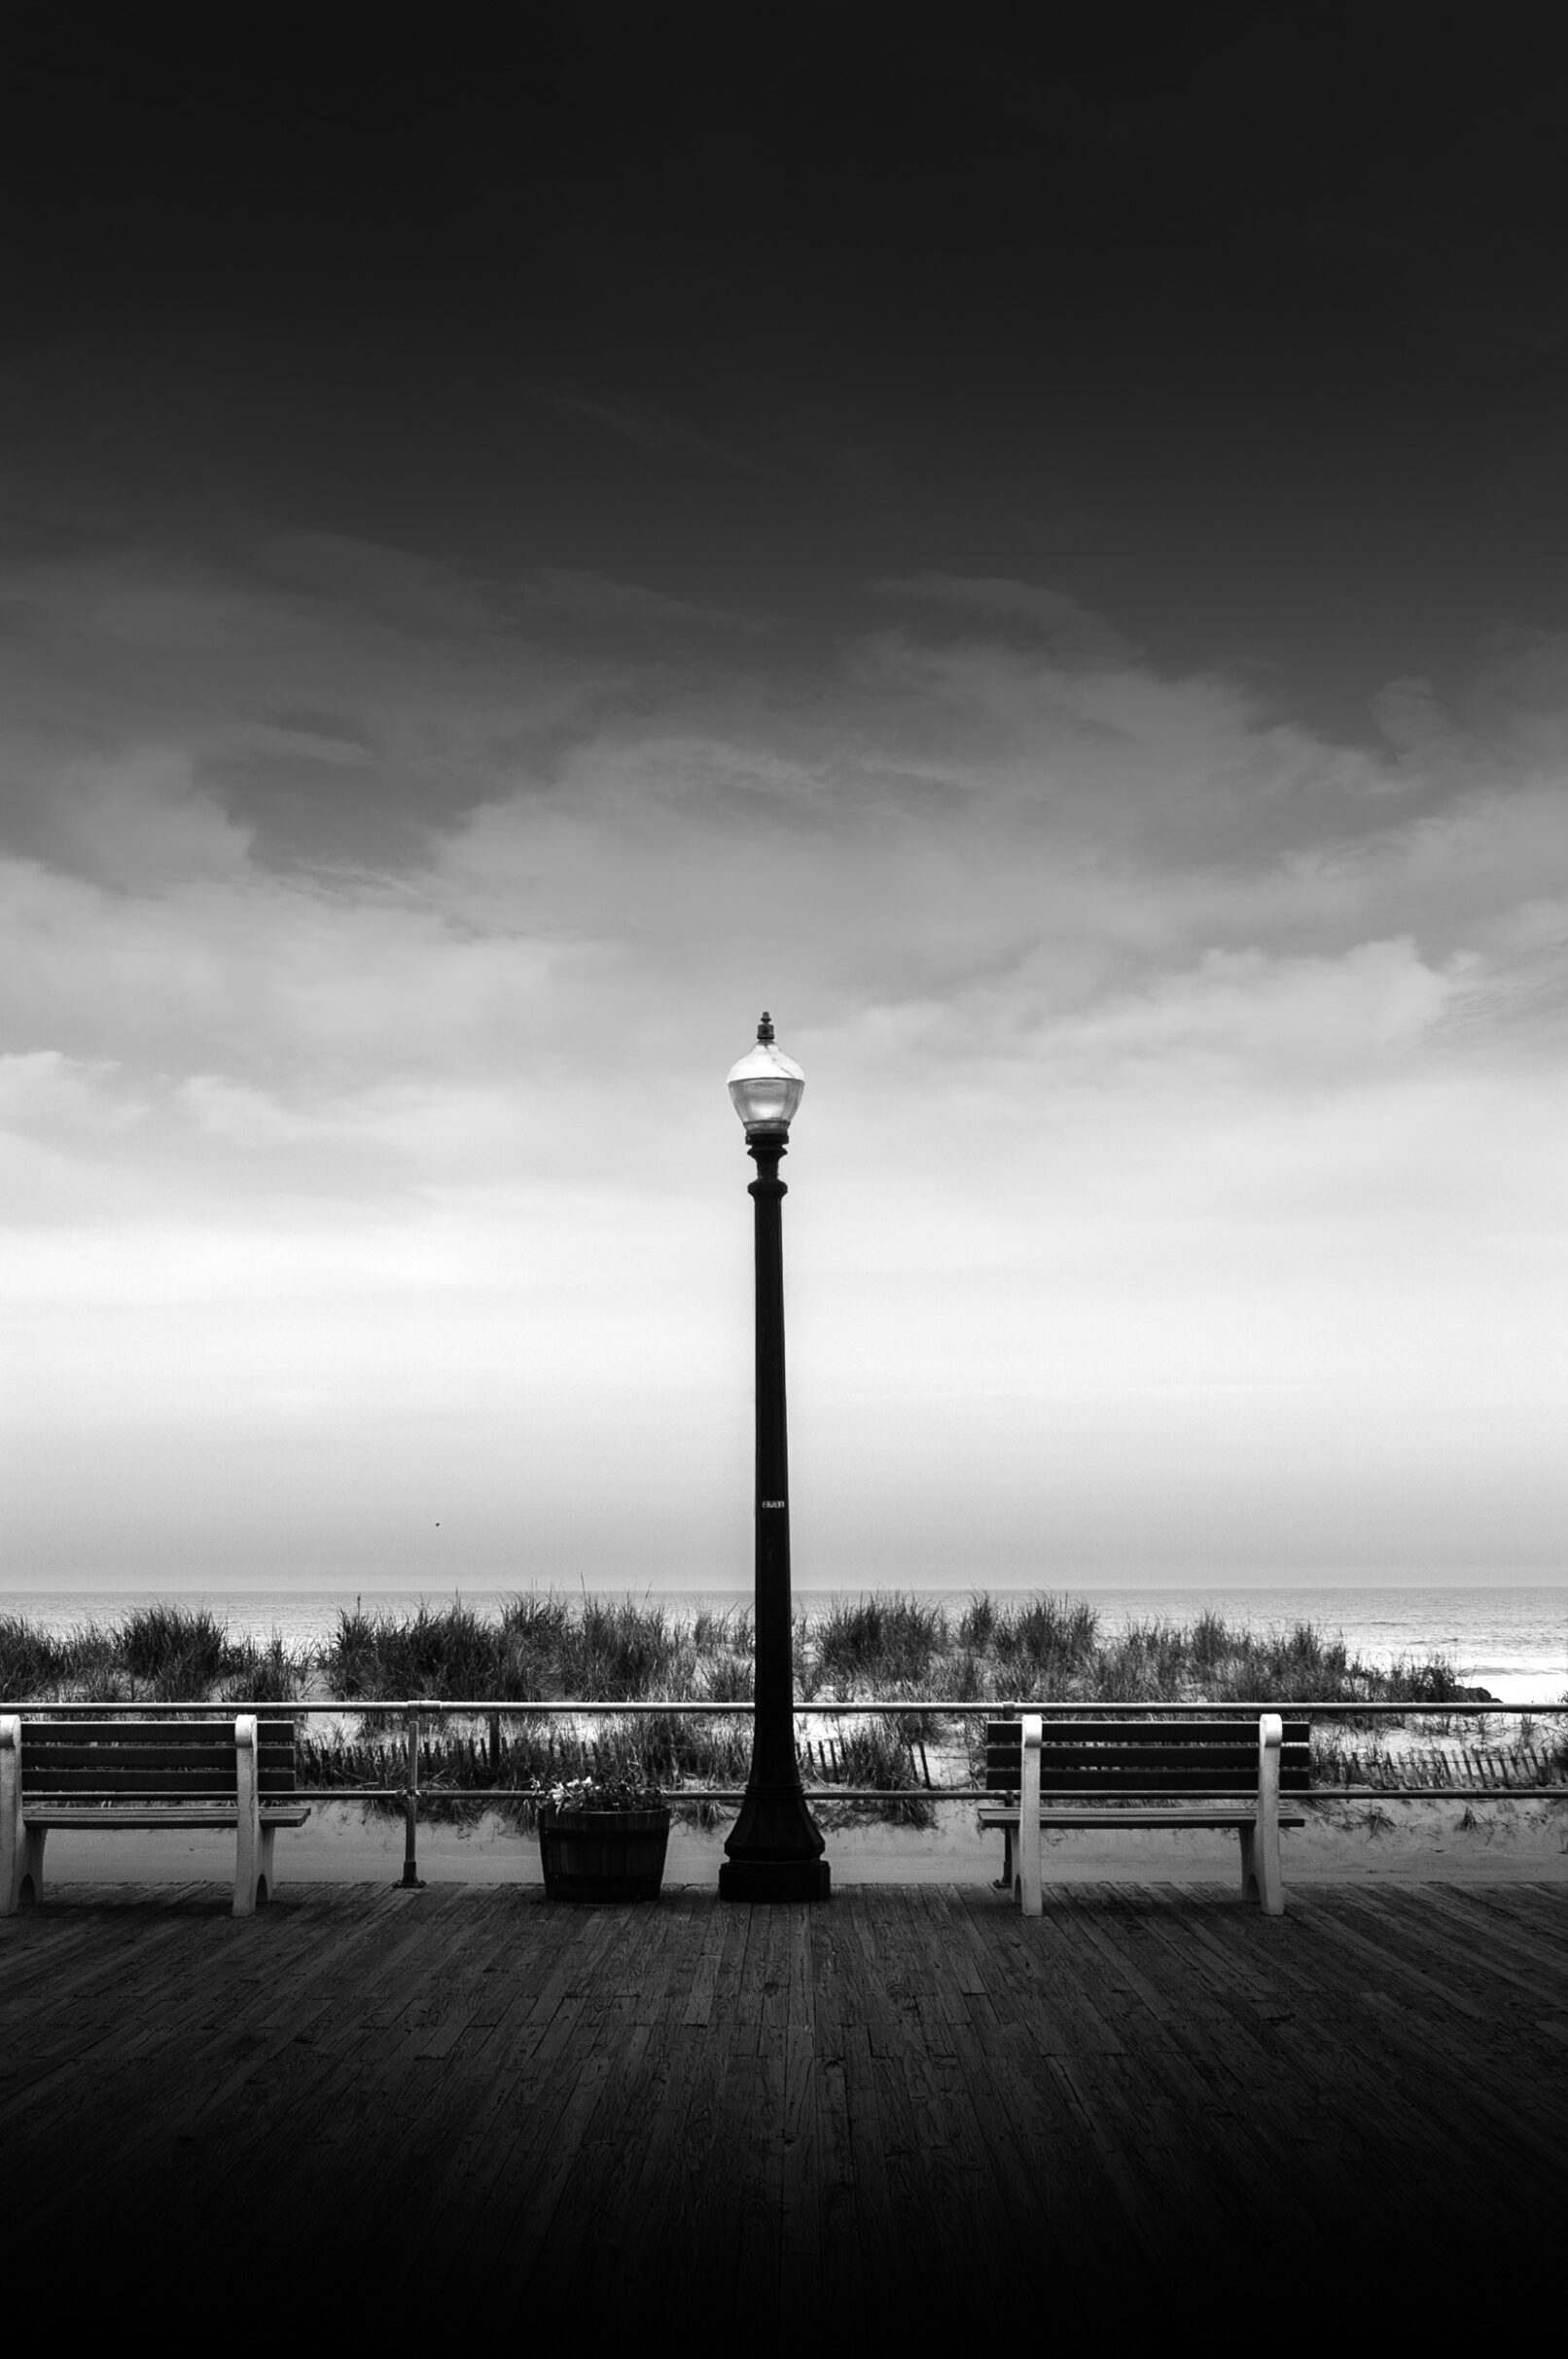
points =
(1512, 1640)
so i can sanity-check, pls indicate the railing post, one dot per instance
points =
(410, 1813)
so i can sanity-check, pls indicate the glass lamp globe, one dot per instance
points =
(766, 1084)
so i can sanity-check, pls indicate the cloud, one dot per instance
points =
(1069, 628)
(933, 819)
(337, 700)
(595, 597)
(290, 741)
(649, 429)
(141, 823)
(390, 584)
(1156, 1051)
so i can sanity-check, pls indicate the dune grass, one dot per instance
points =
(158, 1654)
(545, 1646)
(878, 1643)
(1043, 1649)
(539, 1649)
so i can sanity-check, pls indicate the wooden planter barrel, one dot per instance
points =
(603, 1854)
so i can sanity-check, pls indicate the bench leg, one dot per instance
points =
(21, 1870)
(265, 1882)
(32, 1863)
(1026, 1889)
(13, 1845)
(245, 1874)
(1264, 1872)
(1003, 1882)
(1262, 1879)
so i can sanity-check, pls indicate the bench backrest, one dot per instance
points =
(1143, 1756)
(165, 1758)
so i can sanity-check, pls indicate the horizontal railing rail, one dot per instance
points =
(521, 1707)
(827, 1792)
(416, 1713)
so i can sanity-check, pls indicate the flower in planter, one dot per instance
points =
(603, 1837)
(604, 1794)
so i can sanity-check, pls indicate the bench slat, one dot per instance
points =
(1165, 1781)
(1089, 1774)
(148, 1756)
(200, 1761)
(270, 1732)
(1139, 1755)
(1142, 1731)
(1109, 1756)
(117, 1815)
(1099, 1820)
(140, 1759)
(1114, 1797)
(1092, 1777)
(68, 1740)
(1170, 1781)
(133, 1777)
(1157, 1780)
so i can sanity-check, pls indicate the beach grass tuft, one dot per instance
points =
(891, 1646)
(878, 1642)
(879, 1753)
(164, 1654)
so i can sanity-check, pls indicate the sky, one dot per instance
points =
(1032, 548)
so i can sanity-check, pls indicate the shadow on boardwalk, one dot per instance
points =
(906, 2111)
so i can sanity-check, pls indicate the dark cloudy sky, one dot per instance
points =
(1031, 543)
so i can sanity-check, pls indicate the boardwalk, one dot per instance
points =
(904, 2109)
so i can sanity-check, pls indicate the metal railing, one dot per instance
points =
(416, 1711)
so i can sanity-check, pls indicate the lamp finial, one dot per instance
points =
(765, 1030)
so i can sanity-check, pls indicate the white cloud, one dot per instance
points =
(1273, 1018)
(1157, 1054)
(141, 822)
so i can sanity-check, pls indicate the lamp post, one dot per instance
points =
(775, 1850)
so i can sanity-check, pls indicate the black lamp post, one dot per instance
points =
(774, 1851)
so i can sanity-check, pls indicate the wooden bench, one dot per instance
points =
(134, 1775)
(1240, 1776)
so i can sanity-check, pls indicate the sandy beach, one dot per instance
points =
(1349, 1843)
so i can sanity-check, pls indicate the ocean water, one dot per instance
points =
(1511, 1640)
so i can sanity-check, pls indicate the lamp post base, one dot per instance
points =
(774, 1849)
(776, 1880)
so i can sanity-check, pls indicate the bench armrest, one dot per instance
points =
(1028, 1854)
(1270, 1736)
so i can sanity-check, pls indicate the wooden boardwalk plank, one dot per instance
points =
(1490, 1949)
(497, 2069)
(252, 2092)
(841, 2269)
(680, 2247)
(1213, 2053)
(902, 2111)
(417, 2095)
(1534, 1909)
(573, 2078)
